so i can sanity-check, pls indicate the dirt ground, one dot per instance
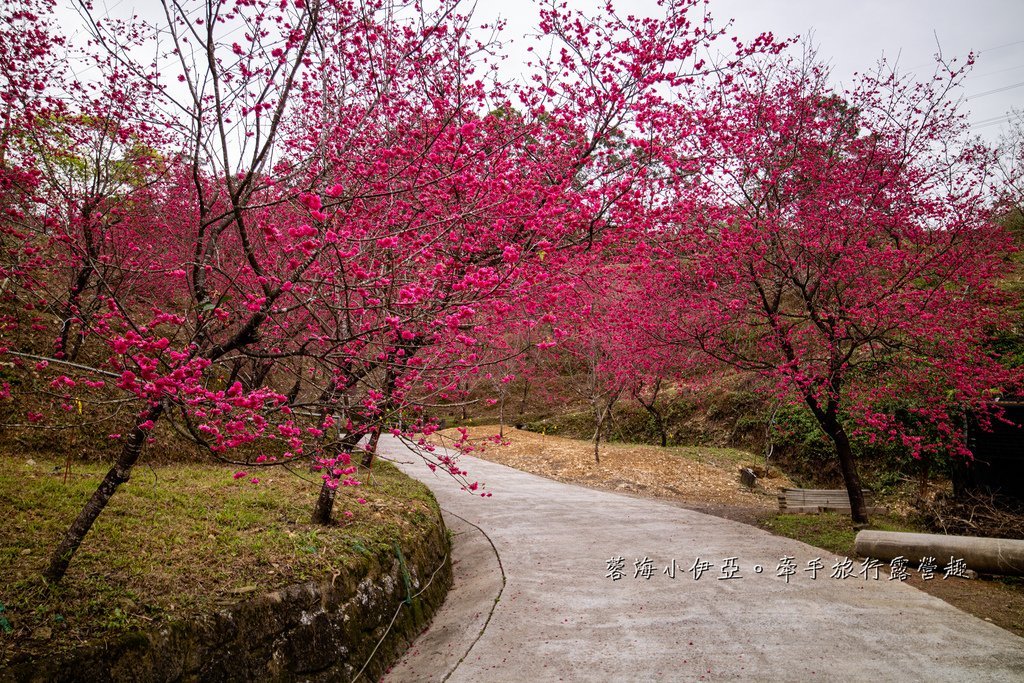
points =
(691, 474)
(707, 480)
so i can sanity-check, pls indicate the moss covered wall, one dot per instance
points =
(317, 631)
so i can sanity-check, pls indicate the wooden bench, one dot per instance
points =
(821, 500)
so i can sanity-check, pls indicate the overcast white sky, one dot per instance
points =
(852, 34)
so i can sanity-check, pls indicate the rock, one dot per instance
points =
(748, 477)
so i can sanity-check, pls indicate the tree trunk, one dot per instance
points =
(501, 417)
(371, 449)
(652, 408)
(324, 504)
(601, 414)
(118, 474)
(858, 509)
(324, 508)
(658, 422)
(926, 464)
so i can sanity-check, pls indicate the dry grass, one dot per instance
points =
(687, 474)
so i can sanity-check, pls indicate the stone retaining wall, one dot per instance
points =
(317, 631)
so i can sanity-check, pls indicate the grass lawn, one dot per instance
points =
(832, 531)
(175, 540)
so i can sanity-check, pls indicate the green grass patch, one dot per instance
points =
(831, 531)
(177, 540)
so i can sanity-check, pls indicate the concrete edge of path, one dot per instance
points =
(478, 580)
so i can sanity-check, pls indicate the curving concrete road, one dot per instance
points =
(533, 601)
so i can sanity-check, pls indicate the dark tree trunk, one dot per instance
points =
(828, 419)
(371, 449)
(85, 274)
(858, 509)
(522, 400)
(259, 376)
(328, 494)
(599, 417)
(118, 474)
(501, 417)
(324, 504)
(236, 369)
(658, 422)
(926, 465)
(652, 408)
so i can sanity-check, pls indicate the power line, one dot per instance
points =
(999, 71)
(980, 52)
(995, 121)
(1000, 47)
(991, 119)
(995, 90)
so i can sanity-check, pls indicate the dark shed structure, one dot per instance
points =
(998, 465)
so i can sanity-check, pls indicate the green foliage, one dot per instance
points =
(808, 456)
(802, 449)
(1007, 342)
(88, 151)
(1008, 345)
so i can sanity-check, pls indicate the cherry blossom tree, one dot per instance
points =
(254, 251)
(284, 228)
(845, 251)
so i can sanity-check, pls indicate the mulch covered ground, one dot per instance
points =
(693, 476)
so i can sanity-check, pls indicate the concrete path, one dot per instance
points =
(533, 599)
